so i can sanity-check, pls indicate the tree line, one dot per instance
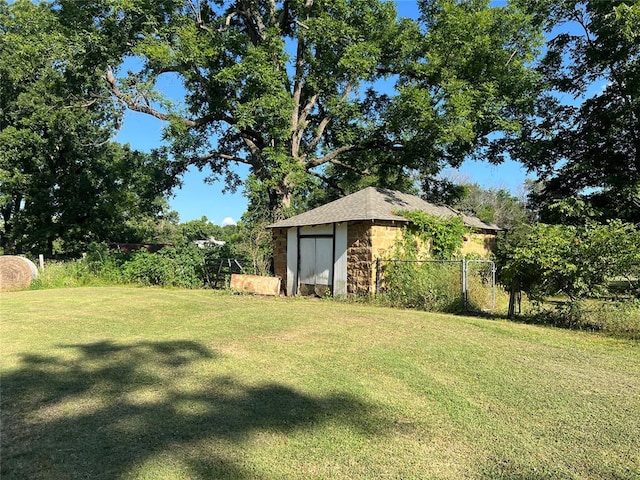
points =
(319, 98)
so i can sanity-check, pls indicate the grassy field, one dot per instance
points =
(132, 383)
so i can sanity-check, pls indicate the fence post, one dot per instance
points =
(464, 284)
(493, 286)
(378, 272)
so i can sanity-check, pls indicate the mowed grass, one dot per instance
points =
(132, 383)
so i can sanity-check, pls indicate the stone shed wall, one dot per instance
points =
(359, 258)
(366, 242)
(383, 239)
(482, 244)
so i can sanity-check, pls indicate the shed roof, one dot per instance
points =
(372, 204)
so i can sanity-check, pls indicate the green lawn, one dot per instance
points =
(114, 383)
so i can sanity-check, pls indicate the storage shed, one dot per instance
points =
(332, 249)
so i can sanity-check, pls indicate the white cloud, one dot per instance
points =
(228, 221)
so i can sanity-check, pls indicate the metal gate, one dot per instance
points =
(444, 285)
(479, 285)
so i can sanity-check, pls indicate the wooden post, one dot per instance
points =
(41, 261)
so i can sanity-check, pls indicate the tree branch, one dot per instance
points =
(325, 122)
(144, 106)
(136, 106)
(366, 146)
(224, 156)
(251, 145)
(332, 158)
(329, 181)
(305, 111)
(252, 20)
(297, 86)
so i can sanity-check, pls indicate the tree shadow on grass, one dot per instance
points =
(109, 408)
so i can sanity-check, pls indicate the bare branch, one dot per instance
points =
(333, 158)
(224, 156)
(272, 12)
(307, 108)
(319, 133)
(297, 92)
(252, 20)
(299, 126)
(329, 181)
(580, 18)
(227, 21)
(142, 104)
(365, 146)
(82, 105)
(251, 144)
(135, 104)
(195, 7)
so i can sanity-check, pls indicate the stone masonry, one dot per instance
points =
(359, 258)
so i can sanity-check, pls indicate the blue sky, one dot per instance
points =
(197, 199)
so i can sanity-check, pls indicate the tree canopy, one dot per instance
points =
(546, 260)
(584, 142)
(62, 179)
(292, 87)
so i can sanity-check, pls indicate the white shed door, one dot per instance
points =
(316, 261)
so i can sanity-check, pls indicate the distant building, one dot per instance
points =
(209, 242)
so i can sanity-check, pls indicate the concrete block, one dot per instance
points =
(255, 284)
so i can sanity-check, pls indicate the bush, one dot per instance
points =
(410, 280)
(105, 263)
(546, 260)
(170, 267)
(428, 285)
(592, 262)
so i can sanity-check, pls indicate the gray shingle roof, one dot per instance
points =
(375, 204)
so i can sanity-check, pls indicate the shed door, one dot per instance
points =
(316, 264)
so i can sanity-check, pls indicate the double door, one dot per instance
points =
(316, 265)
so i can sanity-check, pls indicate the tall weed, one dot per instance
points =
(613, 318)
(69, 274)
(431, 286)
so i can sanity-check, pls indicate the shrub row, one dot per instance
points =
(182, 266)
(611, 317)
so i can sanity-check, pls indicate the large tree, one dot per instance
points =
(291, 87)
(585, 141)
(62, 179)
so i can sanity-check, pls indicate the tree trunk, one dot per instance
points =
(514, 297)
(280, 202)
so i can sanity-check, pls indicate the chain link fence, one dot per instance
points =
(438, 285)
